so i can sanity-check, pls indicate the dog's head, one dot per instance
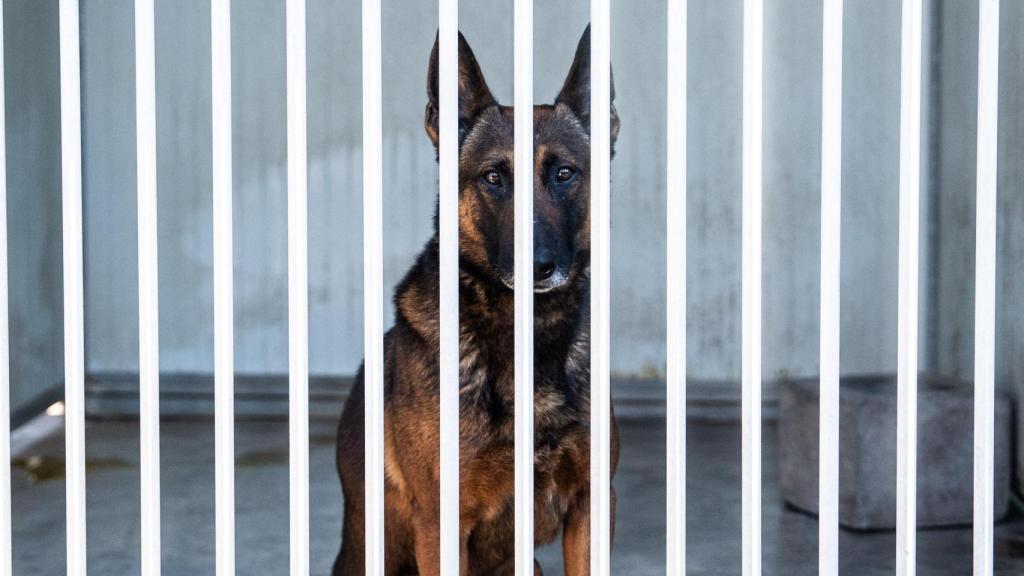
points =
(561, 173)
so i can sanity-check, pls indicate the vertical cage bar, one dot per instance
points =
(223, 298)
(831, 212)
(448, 216)
(149, 313)
(753, 82)
(74, 353)
(675, 268)
(600, 288)
(985, 283)
(5, 372)
(298, 306)
(373, 287)
(909, 243)
(524, 287)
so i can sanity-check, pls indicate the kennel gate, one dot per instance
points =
(910, 151)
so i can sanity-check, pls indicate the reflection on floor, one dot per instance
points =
(790, 538)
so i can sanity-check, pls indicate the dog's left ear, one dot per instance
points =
(576, 91)
(474, 95)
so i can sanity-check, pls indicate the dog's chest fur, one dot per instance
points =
(487, 373)
(487, 393)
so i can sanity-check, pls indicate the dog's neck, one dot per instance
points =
(486, 313)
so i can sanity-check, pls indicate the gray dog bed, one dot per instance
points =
(867, 450)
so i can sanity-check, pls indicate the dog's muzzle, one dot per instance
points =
(555, 280)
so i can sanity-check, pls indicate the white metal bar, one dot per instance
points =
(373, 288)
(831, 212)
(298, 287)
(524, 287)
(985, 283)
(448, 218)
(223, 299)
(149, 327)
(675, 267)
(74, 353)
(909, 241)
(5, 372)
(753, 82)
(600, 288)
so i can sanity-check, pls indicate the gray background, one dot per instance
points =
(791, 193)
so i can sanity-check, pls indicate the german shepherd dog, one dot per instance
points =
(561, 333)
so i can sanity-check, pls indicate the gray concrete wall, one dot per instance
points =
(791, 231)
(954, 164)
(792, 124)
(33, 200)
(1010, 289)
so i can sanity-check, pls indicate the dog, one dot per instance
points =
(561, 335)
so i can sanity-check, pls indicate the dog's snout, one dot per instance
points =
(543, 265)
(551, 258)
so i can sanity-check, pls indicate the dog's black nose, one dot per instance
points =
(543, 268)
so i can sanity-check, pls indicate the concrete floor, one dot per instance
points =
(790, 538)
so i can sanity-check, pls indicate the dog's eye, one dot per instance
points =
(492, 178)
(565, 174)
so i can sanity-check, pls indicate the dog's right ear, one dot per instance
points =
(474, 95)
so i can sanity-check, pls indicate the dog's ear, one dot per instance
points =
(474, 95)
(576, 91)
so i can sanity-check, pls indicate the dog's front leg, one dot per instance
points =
(576, 535)
(428, 546)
